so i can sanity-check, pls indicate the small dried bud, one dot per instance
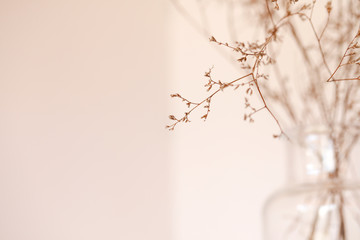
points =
(328, 7)
(172, 117)
(277, 6)
(243, 59)
(303, 17)
(355, 45)
(305, 7)
(212, 39)
(249, 91)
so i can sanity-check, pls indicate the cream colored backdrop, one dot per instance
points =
(84, 91)
(83, 151)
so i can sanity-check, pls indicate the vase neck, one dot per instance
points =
(315, 157)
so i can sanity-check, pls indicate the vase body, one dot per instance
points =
(322, 198)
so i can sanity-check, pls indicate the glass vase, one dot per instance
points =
(322, 198)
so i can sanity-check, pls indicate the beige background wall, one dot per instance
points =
(83, 151)
(84, 91)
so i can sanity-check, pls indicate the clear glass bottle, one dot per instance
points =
(322, 198)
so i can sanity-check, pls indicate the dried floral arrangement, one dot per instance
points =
(324, 36)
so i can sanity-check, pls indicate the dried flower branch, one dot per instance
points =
(352, 53)
(321, 49)
(259, 57)
(207, 101)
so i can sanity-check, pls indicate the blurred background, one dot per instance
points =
(84, 154)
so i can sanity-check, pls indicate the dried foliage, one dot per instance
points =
(323, 37)
(326, 37)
